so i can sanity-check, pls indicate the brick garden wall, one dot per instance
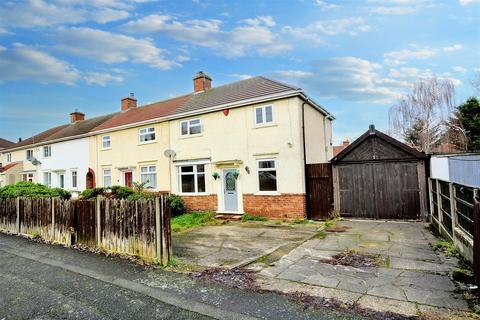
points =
(201, 203)
(284, 206)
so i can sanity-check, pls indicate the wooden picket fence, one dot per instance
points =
(140, 228)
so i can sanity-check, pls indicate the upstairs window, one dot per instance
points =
(147, 134)
(267, 175)
(29, 155)
(192, 178)
(47, 151)
(106, 142)
(9, 157)
(263, 115)
(191, 127)
(148, 175)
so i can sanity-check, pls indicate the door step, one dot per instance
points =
(229, 217)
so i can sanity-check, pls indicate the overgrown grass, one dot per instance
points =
(329, 223)
(192, 220)
(301, 221)
(251, 217)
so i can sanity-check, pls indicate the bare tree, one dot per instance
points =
(423, 113)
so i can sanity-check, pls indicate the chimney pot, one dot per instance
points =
(201, 82)
(346, 143)
(129, 102)
(371, 128)
(76, 116)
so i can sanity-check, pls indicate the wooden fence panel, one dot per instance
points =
(36, 217)
(8, 215)
(476, 242)
(129, 227)
(84, 222)
(63, 221)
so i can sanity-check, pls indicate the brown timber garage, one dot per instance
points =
(379, 177)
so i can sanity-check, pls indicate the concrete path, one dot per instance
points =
(238, 243)
(40, 281)
(414, 278)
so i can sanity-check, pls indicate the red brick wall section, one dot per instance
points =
(284, 206)
(201, 203)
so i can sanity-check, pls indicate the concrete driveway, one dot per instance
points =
(412, 279)
(238, 243)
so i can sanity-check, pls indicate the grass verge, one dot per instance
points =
(251, 217)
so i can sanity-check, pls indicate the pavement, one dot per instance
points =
(413, 278)
(41, 281)
(237, 244)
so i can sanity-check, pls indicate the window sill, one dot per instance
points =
(267, 193)
(106, 149)
(193, 194)
(147, 142)
(189, 136)
(268, 125)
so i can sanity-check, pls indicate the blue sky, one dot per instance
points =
(355, 58)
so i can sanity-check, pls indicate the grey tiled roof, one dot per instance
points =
(241, 90)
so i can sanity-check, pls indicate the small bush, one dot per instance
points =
(446, 247)
(121, 192)
(92, 193)
(32, 190)
(251, 217)
(177, 205)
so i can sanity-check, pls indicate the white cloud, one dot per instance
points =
(110, 47)
(21, 62)
(459, 69)
(400, 7)
(467, 2)
(326, 5)
(454, 47)
(314, 31)
(4, 31)
(285, 74)
(252, 34)
(41, 13)
(241, 76)
(101, 78)
(399, 57)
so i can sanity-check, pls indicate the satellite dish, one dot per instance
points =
(35, 162)
(169, 153)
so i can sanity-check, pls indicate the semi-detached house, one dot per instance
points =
(237, 148)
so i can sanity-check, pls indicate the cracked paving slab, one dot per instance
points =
(413, 274)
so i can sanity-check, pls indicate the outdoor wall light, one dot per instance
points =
(247, 169)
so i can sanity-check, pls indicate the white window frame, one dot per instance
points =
(149, 172)
(195, 174)
(147, 132)
(47, 151)
(27, 177)
(264, 116)
(189, 126)
(48, 176)
(60, 175)
(107, 175)
(106, 138)
(74, 174)
(275, 162)
(29, 151)
(9, 157)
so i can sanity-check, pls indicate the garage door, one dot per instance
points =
(385, 190)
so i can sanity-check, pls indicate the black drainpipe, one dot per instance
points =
(307, 189)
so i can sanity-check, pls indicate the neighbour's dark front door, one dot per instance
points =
(128, 179)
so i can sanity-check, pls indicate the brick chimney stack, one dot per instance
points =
(76, 116)
(345, 143)
(201, 82)
(129, 102)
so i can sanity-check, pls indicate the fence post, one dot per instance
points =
(53, 219)
(476, 235)
(430, 198)
(453, 213)
(17, 207)
(98, 201)
(439, 205)
(158, 231)
(165, 233)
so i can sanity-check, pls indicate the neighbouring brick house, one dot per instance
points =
(237, 148)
